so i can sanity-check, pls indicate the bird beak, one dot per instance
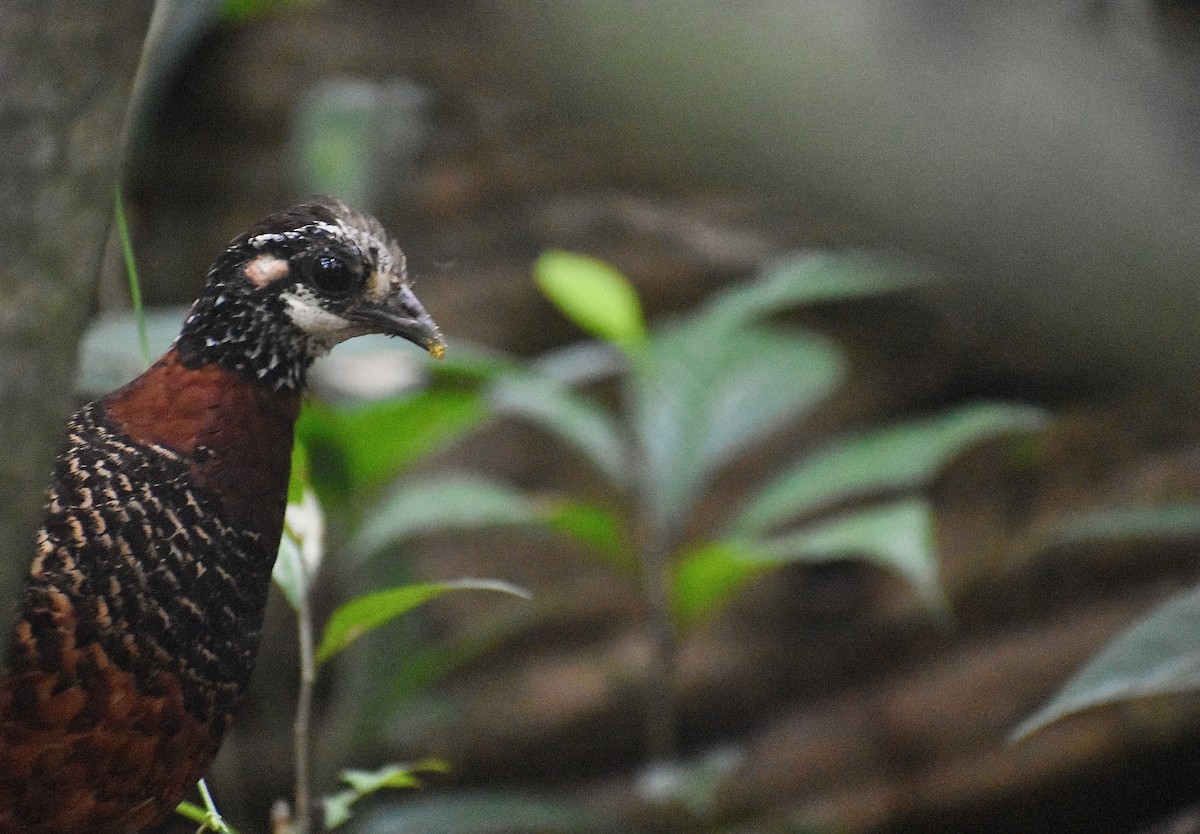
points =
(400, 313)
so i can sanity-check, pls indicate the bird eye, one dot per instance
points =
(333, 275)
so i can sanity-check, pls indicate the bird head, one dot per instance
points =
(298, 283)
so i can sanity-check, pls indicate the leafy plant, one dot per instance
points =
(694, 394)
(300, 555)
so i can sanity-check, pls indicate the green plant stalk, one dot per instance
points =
(135, 286)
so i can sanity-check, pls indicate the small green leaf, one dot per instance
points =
(337, 808)
(592, 294)
(437, 503)
(1158, 655)
(364, 782)
(897, 457)
(708, 576)
(573, 418)
(369, 611)
(898, 536)
(392, 775)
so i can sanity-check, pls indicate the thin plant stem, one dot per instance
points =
(135, 285)
(303, 722)
(661, 712)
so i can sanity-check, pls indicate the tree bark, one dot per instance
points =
(66, 75)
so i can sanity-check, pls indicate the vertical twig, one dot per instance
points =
(302, 725)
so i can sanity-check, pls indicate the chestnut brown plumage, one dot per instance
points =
(139, 621)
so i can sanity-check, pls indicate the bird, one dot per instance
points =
(140, 618)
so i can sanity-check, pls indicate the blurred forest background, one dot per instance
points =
(926, 486)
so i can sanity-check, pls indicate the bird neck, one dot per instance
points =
(237, 433)
(251, 336)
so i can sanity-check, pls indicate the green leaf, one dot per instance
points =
(808, 279)
(576, 420)
(898, 536)
(592, 294)
(1158, 655)
(438, 503)
(365, 782)
(362, 447)
(370, 611)
(699, 401)
(596, 527)
(1123, 523)
(708, 576)
(898, 457)
(392, 775)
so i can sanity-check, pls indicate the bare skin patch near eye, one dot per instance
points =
(266, 269)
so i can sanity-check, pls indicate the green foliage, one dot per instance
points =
(356, 450)
(899, 457)
(703, 390)
(593, 295)
(1157, 656)
(209, 818)
(366, 782)
(369, 611)
(1160, 654)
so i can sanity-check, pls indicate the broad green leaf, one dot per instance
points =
(575, 419)
(437, 503)
(362, 447)
(365, 782)
(700, 400)
(1123, 523)
(904, 456)
(707, 577)
(1157, 656)
(898, 536)
(370, 611)
(483, 813)
(592, 294)
(808, 279)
